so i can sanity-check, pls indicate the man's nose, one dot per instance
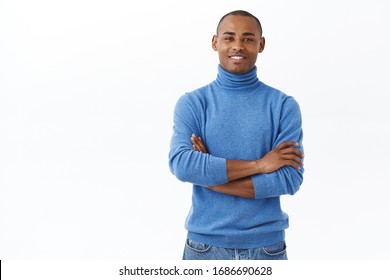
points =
(238, 46)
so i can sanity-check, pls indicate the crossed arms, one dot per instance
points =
(239, 172)
(279, 171)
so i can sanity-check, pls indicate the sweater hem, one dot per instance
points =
(228, 242)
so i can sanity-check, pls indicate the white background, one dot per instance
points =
(87, 90)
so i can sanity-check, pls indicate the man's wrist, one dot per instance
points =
(260, 166)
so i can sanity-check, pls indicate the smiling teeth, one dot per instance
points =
(237, 57)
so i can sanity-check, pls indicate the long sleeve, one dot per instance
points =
(185, 163)
(286, 180)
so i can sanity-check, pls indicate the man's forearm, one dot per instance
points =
(241, 187)
(239, 172)
(237, 169)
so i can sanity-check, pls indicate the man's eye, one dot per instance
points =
(248, 39)
(229, 39)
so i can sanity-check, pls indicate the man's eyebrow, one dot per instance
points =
(233, 33)
(248, 34)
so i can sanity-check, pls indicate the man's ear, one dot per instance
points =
(262, 44)
(214, 43)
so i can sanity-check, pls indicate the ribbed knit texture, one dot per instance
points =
(238, 117)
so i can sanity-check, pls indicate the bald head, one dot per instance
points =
(244, 14)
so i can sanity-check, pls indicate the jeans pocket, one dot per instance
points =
(274, 250)
(197, 246)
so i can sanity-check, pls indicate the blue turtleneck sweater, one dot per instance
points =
(238, 117)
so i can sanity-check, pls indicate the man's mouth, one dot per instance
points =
(237, 57)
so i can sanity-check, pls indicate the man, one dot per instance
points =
(239, 142)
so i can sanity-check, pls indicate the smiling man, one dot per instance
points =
(238, 41)
(239, 142)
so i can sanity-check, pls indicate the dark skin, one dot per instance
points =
(240, 171)
(238, 42)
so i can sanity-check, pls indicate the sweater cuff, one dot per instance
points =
(219, 171)
(265, 185)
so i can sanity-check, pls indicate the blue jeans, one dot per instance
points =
(199, 251)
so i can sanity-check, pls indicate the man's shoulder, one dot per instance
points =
(279, 98)
(196, 94)
(194, 99)
(276, 93)
(273, 91)
(199, 92)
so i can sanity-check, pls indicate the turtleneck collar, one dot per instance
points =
(233, 82)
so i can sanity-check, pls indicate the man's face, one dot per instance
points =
(238, 42)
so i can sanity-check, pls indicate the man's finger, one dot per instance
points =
(286, 144)
(292, 151)
(292, 157)
(293, 164)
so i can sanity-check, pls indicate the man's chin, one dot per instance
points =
(238, 70)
